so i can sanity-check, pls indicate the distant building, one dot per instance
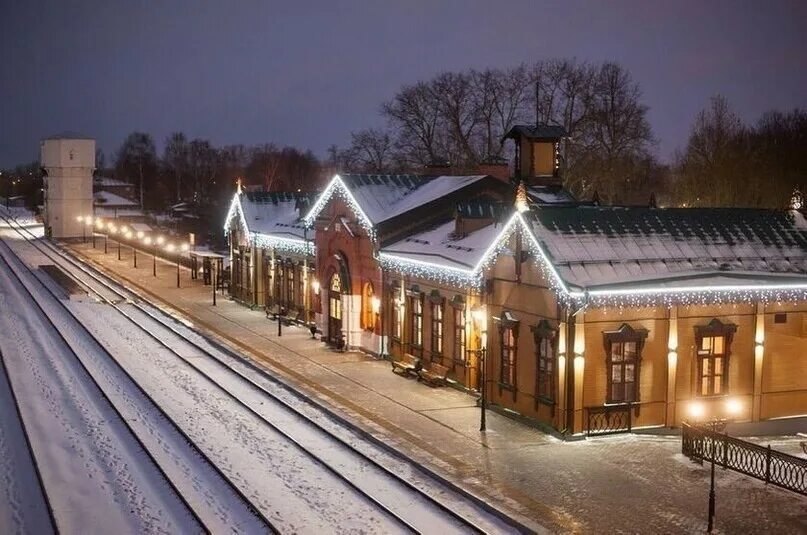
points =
(69, 161)
(584, 317)
(115, 199)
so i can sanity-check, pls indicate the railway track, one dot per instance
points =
(5, 384)
(228, 376)
(203, 463)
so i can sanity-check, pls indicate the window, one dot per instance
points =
(397, 315)
(416, 321)
(367, 313)
(780, 317)
(290, 285)
(713, 344)
(623, 349)
(280, 277)
(437, 330)
(508, 351)
(459, 334)
(335, 298)
(545, 357)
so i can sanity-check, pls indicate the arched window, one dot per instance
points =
(367, 312)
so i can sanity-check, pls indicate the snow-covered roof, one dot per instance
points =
(111, 211)
(438, 245)
(383, 197)
(277, 213)
(106, 181)
(107, 198)
(610, 246)
(550, 195)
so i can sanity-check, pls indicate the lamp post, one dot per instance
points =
(147, 242)
(157, 242)
(80, 220)
(88, 221)
(716, 424)
(479, 316)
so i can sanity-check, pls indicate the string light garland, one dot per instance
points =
(235, 210)
(337, 187)
(626, 297)
(474, 277)
(290, 245)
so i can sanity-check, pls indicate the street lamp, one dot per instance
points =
(697, 410)
(80, 220)
(148, 241)
(479, 316)
(88, 221)
(114, 231)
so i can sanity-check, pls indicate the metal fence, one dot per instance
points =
(609, 419)
(771, 466)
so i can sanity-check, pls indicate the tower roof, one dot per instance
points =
(539, 132)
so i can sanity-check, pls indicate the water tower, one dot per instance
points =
(69, 161)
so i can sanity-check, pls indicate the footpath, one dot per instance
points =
(565, 487)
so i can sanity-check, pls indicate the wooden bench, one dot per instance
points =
(407, 365)
(435, 376)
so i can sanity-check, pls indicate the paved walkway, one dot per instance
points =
(622, 483)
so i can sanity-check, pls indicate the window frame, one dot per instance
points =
(508, 324)
(397, 304)
(460, 332)
(545, 334)
(367, 314)
(415, 321)
(624, 335)
(437, 312)
(714, 329)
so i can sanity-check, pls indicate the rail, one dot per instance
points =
(775, 467)
(322, 462)
(609, 419)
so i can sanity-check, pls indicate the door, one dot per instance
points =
(335, 308)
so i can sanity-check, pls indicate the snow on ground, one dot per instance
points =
(96, 477)
(23, 508)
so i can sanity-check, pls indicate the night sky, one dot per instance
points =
(307, 73)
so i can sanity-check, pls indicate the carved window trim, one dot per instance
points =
(622, 337)
(545, 336)
(714, 329)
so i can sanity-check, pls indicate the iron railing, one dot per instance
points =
(609, 419)
(775, 467)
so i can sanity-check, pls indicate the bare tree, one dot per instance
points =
(176, 159)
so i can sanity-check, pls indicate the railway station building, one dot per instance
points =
(582, 317)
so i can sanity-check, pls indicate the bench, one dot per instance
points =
(803, 443)
(435, 376)
(407, 364)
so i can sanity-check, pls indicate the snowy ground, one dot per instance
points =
(169, 439)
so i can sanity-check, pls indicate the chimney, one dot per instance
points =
(495, 167)
(438, 168)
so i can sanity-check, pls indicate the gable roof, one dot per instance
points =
(611, 246)
(379, 198)
(273, 219)
(540, 131)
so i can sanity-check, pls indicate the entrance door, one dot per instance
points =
(335, 308)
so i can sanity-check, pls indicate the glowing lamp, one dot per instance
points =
(734, 406)
(315, 286)
(697, 409)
